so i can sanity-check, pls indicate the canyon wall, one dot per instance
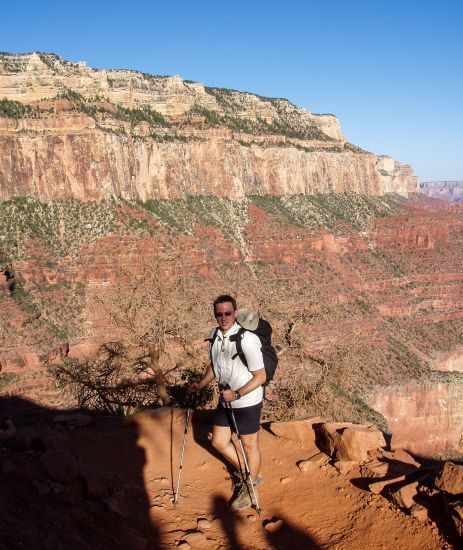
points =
(433, 409)
(33, 77)
(172, 138)
(67, 156)
(426, 419)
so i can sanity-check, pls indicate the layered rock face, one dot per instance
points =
(425, 419)
(32, 77)
(136, 136)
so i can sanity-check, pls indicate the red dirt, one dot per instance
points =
(319, 509)
(108, 486)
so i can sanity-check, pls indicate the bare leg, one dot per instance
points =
(252, 448)
(221, 441)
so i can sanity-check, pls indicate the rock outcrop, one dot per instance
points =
(348, 442)
(94, 134)
(32, 77)
(426, 419)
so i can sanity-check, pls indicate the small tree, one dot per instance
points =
(146, 312)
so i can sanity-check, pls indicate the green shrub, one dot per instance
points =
(15, 109)
(62, 225)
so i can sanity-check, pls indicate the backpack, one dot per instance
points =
(264, 333)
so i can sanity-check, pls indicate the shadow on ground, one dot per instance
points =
(74, 480)
(68, 485)
(279, 534)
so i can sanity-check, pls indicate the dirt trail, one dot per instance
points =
(77, 482)
(318, 509)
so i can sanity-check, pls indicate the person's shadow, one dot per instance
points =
(278, 533)
(66, 485)
(286, 535)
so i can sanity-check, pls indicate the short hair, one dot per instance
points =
(225, 298)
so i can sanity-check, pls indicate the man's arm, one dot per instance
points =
(258, 379)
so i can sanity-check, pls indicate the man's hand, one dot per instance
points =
(195, 386)
(228, 395)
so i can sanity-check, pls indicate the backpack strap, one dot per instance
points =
(211, 341)
(237, 338)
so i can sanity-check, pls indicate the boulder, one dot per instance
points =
(400, 455)
(451, 479)
(327, 435)
(197, 539)
(273, 525)
(296, 430)
(316, 461)
(345, 466)
(419, 512)
(398, 461)
(378, 486)
(203, 524)
(404, 497)
(351, 442)
(374, 468)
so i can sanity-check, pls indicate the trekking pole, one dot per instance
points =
(182, 453)
(248, 481)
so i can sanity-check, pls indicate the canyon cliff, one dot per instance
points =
(69, 131)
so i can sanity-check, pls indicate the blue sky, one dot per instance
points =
(391, 71)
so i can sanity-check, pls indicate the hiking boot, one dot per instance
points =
(243, 499)
(237, 481)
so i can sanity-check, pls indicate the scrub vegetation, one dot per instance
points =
(158, 312)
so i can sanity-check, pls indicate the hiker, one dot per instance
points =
(241, 388)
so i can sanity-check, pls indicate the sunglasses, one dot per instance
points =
(223, 314)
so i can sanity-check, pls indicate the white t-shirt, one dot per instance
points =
(233, 372)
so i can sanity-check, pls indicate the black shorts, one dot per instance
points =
(247, 418)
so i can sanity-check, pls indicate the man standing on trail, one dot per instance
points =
(241, 388)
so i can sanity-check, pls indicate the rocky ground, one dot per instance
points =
(81, 482)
